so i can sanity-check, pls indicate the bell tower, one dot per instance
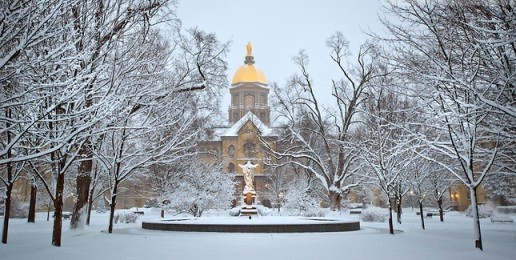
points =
(249, 91)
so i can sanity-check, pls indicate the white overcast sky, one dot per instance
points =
(278, 29)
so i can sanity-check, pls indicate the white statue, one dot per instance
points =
(248, 170)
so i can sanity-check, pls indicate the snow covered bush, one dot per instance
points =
(264, 211)
(299, 201)
(373, 214)
(126, 217)
(234, 212)
(201, 187)
(484, 211)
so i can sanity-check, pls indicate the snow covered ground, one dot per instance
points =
(452, 239)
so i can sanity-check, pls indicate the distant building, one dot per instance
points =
(249, 123)
(459, 196)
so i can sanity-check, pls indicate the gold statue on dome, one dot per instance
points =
(249, 49)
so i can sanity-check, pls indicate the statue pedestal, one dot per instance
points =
(249, 206)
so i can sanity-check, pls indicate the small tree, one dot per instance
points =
(301, 200)
(161, 180)
(386, 145)
(419, 184)
(201, 186)
(278, 183)
(439, 181)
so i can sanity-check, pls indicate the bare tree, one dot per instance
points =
(99, 184)
(23, 28)
(160, 117)
(319, 137)
(139, 140)
(100, 26)
(160, 181)
(461, 55)
(10, 173)
(46, 94)
(386, 146)
(278, 183)
(440, 180)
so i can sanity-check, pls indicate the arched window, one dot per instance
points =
(249, 102)
(231, 150)
(249, 150)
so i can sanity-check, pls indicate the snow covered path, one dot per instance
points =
(452, 239)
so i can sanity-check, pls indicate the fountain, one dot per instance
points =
(257, 224)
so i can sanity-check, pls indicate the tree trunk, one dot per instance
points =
(58, 210)
(162, 213)
(421, 213)
(398, 212)
(112, 207)
(9, 186)
(7, 210)
(90, 206)
(90, 199)
(335, 199)
(391, 226)
(441, 212)
(476, 219)
(83, 187)
(32, 205)
(48, 212)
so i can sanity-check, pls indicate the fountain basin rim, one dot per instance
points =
(254, 225)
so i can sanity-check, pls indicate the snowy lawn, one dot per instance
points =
(452, 239)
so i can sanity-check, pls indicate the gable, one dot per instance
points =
(249, 127)
(245, 120)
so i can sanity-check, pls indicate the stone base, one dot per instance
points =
(248, 210)
(249, 197)
(258, 225)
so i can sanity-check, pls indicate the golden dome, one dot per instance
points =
(248, 73)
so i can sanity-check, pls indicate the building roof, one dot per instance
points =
(216, 133)
(264, 129)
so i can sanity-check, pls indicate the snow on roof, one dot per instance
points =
(216, 132)
(264, 130)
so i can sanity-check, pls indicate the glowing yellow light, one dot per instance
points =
(248, 72)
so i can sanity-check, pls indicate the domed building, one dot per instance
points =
(249, 91)
(249, 121)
